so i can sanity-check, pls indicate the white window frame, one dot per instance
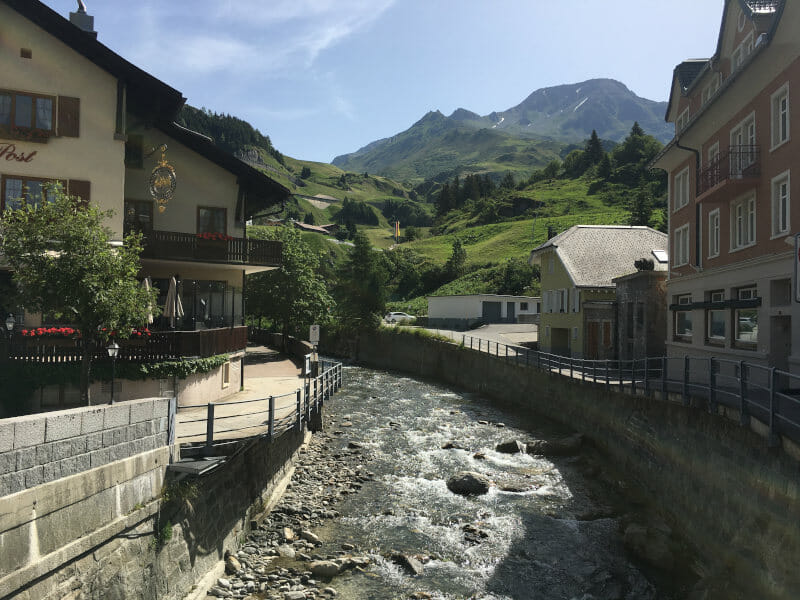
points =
(743, 335)
(781, 204)
(742, 51)
(743, 223)
(712, 154)
(685, 299)
(680, 254)
(680, 190)
(713, 233)
(743, 136)
(711, 88)
(576, 300)
(682, 120)
(716, 296)
(780, 114)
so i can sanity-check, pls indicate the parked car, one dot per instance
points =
(399, 317)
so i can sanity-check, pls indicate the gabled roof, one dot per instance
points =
(147, 96)
(593, 255)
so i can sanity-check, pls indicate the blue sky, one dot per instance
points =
(325, 77)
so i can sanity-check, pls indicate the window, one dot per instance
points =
(743, 149)
(746, 319)
(780, 204)
(680, 191)
(715, 317)
(523, 306)
(138, 216)
(26, 116)
(743, 223)
(15, 190)
(680, 254)
(211, 220)
(683, 317)
(780, 116)
(713, 233)
(134, 151)
(682, 120)
(711, 88)
(576, 300)
(742, 51)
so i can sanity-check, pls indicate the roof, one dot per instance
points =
(260, 192)
(593, 255)
(147, 95)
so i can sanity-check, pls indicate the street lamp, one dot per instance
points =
(10, 322)
(113, 351)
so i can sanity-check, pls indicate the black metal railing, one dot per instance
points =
(769, 395)
(738, 162)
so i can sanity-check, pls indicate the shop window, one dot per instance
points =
(683, 318)
(716, 318)
(746, 319)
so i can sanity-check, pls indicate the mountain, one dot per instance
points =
(528, 135)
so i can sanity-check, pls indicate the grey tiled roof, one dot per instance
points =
(595, 254)
(688, 70)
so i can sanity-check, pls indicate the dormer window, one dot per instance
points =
(26, 116)
(682, 120)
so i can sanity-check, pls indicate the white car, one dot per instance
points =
(399, 317)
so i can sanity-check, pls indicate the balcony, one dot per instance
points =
(732, 172)
(161, 345)
(175, 245)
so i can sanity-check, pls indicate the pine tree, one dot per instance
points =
(594, 149)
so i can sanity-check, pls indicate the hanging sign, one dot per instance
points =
(163, 182)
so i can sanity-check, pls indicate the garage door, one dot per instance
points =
(491, 312)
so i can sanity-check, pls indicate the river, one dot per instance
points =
(557, 535)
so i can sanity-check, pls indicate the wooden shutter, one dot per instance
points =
(69, 119)
(76, 187)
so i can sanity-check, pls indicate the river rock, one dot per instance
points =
(232, 564)
(651, 544)
(452, 446)
(324, 568)
(286, 551)
(310, 537)
(409, 563)
(510, 447)
(288, 534)
(296, 595)
(468, 482)
(564, 447)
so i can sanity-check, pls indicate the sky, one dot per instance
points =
(325, 77)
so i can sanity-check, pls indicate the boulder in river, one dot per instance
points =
(466, 483)
(324, 568)
(564, 447)
(232, 564)
(409, 563)
(510, 447)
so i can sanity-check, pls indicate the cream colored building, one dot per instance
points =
(465, 310)
(73, 111)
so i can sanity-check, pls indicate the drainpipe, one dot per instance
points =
(697, 223)
(244, 321)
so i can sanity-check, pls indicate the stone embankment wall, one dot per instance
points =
(723, 489)
(94, 513)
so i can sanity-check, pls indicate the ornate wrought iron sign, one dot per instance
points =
(163, 181)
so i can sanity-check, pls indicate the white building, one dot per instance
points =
(464, 311)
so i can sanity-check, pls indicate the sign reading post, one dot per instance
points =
(313, 335)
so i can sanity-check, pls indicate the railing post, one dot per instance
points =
(773, 440)
(570, 367)
(686, 380)
(271, 424)
(744, 415)
(506, 345)
(619, 376)
(209, 430)
(664, 376)
(712, 387)
(299, 412)
(646, 376)
(633, 377)
(608, 382)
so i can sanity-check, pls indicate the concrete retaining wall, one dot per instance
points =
(721, 486)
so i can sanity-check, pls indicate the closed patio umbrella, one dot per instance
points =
(147, 284)
(173, 307)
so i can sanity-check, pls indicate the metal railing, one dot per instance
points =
(277, 413)
(769, 395)
(738, 162)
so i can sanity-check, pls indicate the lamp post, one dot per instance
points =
(10, 322)
(113, 351)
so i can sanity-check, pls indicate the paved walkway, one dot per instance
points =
(245, 413)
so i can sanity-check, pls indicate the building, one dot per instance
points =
(731, 221)
(73, 111)
(467, 310)
(641, 313)
(577, 267)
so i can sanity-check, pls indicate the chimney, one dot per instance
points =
(81, 20)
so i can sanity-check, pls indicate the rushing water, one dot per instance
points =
(557, 537)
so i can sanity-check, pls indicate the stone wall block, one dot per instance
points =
(44, 454)
(163, 424)
(8, 462)
(142, 411)
(29, 431)
(11, 484)
(139, 431)
(33, 477)
(51, 472)
(115, 437)
(26, 459)
(94, 441)
(62, 426)
(6, 436)
(92, 420)
(98, 458)
(160, 408)
(117, 415)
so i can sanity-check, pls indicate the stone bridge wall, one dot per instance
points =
(719, 484)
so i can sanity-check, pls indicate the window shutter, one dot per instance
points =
(69, 110)
(76, 187)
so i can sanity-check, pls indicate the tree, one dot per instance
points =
(293, 296)
(508, 181)
(456, 265)
(361, 289)
(305, 173)
(412, 233)
(641, 208)
(594, 149)
(64, 265)
(309, 219)
(518, 277)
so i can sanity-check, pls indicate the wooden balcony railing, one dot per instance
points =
(175, 245)
(165, 345)
(737, 163)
